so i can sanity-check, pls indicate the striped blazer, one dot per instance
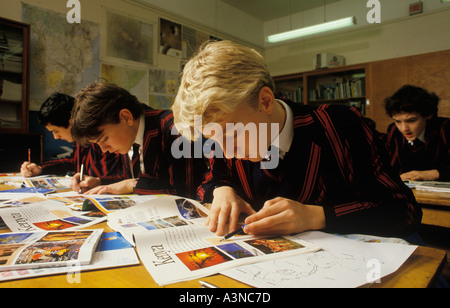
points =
(163, 173)
(433, 154)
(335, 162)
(109, 167)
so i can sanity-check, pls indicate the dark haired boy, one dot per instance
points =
(114, 119)
(418, 140)
(55, 115)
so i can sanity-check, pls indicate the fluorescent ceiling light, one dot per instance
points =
(325, 27)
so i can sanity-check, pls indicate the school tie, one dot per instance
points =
(135, 165)
(416, 145)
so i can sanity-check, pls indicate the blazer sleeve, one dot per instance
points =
(374, 199)
(64, 165)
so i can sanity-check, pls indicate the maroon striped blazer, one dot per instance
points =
(165, 174)
(335, 162)
(109, 167)
(434, 153)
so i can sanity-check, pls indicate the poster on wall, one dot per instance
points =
(128, 38)
(134, 80)
(163, 86)
(170, 38)
(64, 57)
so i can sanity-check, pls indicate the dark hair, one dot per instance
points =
(56, 110)
(99, 104)
(412, 99)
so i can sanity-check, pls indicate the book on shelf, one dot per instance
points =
(336, 88)
(24, 250)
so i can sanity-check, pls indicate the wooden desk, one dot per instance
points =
(435, 207)
(419, 271)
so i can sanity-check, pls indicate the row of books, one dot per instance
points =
(293, 95)
(338, 90)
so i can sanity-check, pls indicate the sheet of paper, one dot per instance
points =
(342, 263)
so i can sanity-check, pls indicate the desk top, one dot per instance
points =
(419, 271)
(432, 198)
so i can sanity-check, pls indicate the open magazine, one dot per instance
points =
(60, 211)
(112, 251)
(175, 245)
(434, 186)
(39, 213)
(23, 250)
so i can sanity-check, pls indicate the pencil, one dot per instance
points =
(235, 232)
(29, 155)
(81, 177)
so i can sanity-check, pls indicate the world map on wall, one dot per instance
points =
(64, 57)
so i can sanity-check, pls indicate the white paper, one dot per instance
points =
(342, 263)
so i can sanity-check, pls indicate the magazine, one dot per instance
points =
(174, 244)
(104, 203)
(49, 182)
(112, 251)
(42, 214)
(159, 213)
(23, 250)
(434, 186)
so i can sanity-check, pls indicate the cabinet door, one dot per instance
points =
(14, 65)
(386, 78)
(432, 72)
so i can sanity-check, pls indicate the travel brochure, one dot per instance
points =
(175, 245)
(24, 250)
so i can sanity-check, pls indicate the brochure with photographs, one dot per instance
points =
(174, 244)
(112, 251)
(24, 250)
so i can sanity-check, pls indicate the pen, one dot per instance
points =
(235, 232)
(207, 285)
(81, 176)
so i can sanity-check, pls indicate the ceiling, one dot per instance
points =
(272, 9)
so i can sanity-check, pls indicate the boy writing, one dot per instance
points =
(55, 115)
(328, 175)
(114, 119)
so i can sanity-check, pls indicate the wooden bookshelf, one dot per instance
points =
(14, 76)
(381, 80)
(344, 85)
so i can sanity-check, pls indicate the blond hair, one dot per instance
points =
(219, 78)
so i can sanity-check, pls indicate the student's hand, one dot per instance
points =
(285, 216)
(226, 208)
(88, 183)
(119, 188)
(426, 175)
(30, 169)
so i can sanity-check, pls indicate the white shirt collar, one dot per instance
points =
(421, 137)
(286, 135)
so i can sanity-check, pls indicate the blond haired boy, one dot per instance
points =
(329, 175)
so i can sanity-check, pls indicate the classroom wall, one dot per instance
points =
(403, 37)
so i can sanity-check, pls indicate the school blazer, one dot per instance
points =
(109, 167)
(434, 153)
(165, 174)
(335, 162)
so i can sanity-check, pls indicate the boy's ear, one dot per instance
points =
(266, 100)
(126, 115)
